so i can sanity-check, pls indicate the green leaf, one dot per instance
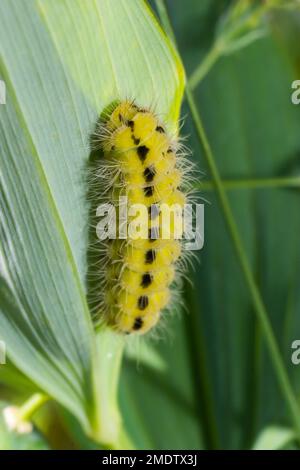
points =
(63, 63)
(13, 380)
(274, 438)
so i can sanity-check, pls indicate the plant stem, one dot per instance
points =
(107, 425)
(256, 183)
(258, 304)
(26, 411)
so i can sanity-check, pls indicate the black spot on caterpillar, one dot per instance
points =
(150, 256)
(135, 140)
(148, 191)
(146, 280)
(131, 125)
(142, 151)
(138, 323)
(143, 302)
(149, 174)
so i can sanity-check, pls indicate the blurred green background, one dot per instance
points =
(208, 381)
(253, 129)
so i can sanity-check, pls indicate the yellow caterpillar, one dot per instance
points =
(142, 162)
